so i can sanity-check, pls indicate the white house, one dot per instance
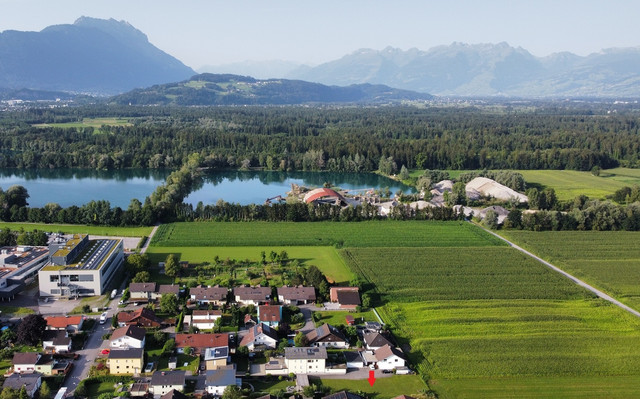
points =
(205, 319)
(56, 341)
(164, 381)
(305, 360)
(252, 295)
(217, 380)
(260, 337)
(130, 336)
(389, 358)
(327, 336)
(30, 381)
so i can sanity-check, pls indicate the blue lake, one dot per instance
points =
(77, 187)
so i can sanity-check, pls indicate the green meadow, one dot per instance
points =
(81, 229)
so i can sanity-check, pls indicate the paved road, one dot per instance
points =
(567, 275)
(146, 244)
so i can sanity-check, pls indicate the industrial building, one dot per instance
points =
(81, 267)
(18, 267)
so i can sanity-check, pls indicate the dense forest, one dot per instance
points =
(352, 139)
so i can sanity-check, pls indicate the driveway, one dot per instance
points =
(308, 317)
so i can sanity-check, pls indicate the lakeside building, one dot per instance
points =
(81, 267)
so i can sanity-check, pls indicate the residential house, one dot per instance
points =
(30, 381)
(305, 360)
(162, 382)
(147, 292)
(142, 317)
(296, 295)
(29, 362)
(252, 295)
(343, 395)
(219, 379)
(347, 297)
(200, 342)
(71, 324)
(209, 295)
(216, 357)
(126, 361)
(270, 315)
(139, 389)
(130, 336)
(173, 394)
(249, 321)
(389, 358)
(373, 341)
(203, 319)
(260, 337)
(142, 292)
(372, 326)
(327, 336)
(354, 360)
(56, 341)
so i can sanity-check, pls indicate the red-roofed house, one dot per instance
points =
(270, 314)
(347, 297)
(200, 342)
(72, 324)
(142, 317)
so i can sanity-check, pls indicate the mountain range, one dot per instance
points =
(107, 57)
(93, 56)
(486, 70)
(225, 89)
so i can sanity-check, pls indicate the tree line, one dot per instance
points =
(332, 139)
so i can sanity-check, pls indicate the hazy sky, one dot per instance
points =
(200, 32)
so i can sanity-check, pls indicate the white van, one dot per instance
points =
(103, 318)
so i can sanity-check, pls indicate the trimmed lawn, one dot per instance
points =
(338, 317)
(325, 258)
(16, 311)
(383, 388)
(81, 229)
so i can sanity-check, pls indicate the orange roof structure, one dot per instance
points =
(326, 194)
(63, 321)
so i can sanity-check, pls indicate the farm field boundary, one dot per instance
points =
(81, 229)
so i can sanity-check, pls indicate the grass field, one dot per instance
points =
(81, 229)
(612, 387)
(383, 388)
(336, 318)
(568, 184)
(609, 260)
(423, 274)
(95, 123)
(364, 234)
(325, 258)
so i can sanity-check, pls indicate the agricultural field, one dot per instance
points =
(363, 234)
(497, 338)
(325, 258)
(608, 260)
(424, 274)
(568, 184)
(81, 229)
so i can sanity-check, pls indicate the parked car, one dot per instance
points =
(103, 318)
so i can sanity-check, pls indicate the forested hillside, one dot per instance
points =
(337, 139)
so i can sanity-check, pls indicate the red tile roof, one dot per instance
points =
(63, 321)
(202, 340)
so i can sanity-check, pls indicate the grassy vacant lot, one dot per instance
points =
(383, 388)
(74, 228)
(325, 258)
(365, 234)
(336, 318)
(609, 260)
(570, 183)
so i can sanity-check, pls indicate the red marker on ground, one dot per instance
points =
(372, 377)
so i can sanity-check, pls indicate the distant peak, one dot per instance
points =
(110, 26)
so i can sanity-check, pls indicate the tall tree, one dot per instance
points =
(31, 329)
(171, 266)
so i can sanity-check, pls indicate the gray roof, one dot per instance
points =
(376, 340)
(222, 376)
(209, 293)
(252, 293)
(353, 357)
(348, 298)
(343, 395)
(16, 381)
(130, 353)
(57, 337)
(25, 357)
(142, 287)
(298, 293)
(175, 377)
(305, 353)
(173, 394)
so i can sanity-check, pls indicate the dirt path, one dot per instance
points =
(567, 275)
(146, 244)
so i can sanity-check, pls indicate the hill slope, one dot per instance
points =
(211, 89)
(486, 70)
(92, 55)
